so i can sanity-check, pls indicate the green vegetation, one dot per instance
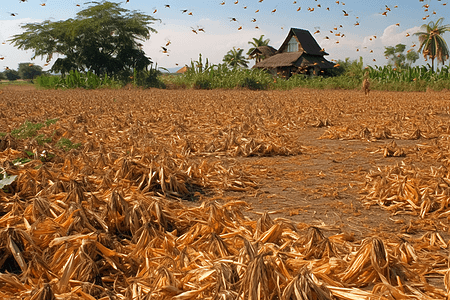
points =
(29, 70)
(348, 75)
(144, 78)
(21, 161)
(11, 75)
(202, 75)
(148, 78)
(30, 130)
(104, 39)
(26, 130)
(234, 58)
(432, 44)
(16, 83)
(257, 43)
(50, 122)
(66, 144)
(76, 79)
(397, 56)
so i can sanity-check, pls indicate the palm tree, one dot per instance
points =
(256, 43)
(432, 44)
(234, 58)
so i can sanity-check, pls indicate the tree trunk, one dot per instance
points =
(432, 64)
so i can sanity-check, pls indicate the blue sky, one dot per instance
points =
(273, 19)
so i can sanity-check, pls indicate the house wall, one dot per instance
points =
(294, 48)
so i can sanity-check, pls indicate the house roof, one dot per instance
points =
(279, 60)
(294, 59)
(267, 51)
(312, 60)
(307, 42)
(183, 69)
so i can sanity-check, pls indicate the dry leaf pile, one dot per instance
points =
(410, 190)
(107, 220)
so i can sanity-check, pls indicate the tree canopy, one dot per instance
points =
(11, 75)
(234, 58)
(432, 44)
(397, 56)
(29, 70)
(103, 38)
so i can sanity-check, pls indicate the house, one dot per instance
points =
(182, 70)
(299, 53)
(262, 52)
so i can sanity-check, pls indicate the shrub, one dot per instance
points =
(251, 84)
(148, 78)
(202, 84)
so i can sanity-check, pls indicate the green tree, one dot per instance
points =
(412, 56)
(29, 70)
(257, 43)
(103, 38)
(234, 58)
(397, 56)
(11, 75)
(2, 76)
(432, 44)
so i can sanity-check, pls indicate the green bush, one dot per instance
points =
(202, 84)
(148, 78)
(251, 84)
(26, 130)
(76, 79)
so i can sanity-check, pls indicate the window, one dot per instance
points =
(292, 45)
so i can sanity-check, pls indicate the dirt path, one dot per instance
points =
(321, 187)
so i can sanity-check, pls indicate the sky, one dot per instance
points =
(233, 23)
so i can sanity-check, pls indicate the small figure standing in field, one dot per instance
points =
(366, 84)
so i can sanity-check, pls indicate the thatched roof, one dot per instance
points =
(279, 60)
(307, 42)
(183, 69)
(312, 60)
(294, 59)
(266, 51)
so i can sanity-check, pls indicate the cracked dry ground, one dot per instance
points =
(320, 186)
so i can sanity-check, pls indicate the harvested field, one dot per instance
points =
(185, 194)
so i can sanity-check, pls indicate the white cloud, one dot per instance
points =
(392, 35)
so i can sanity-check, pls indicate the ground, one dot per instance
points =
(308, 156)
(321, 185)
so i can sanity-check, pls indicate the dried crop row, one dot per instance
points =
(77, 238)
(106, 221)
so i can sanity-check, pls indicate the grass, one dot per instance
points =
(26, 130)
(76, 79)
(145, 78)
(30, 130)
(66, 144)
(15, 82)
